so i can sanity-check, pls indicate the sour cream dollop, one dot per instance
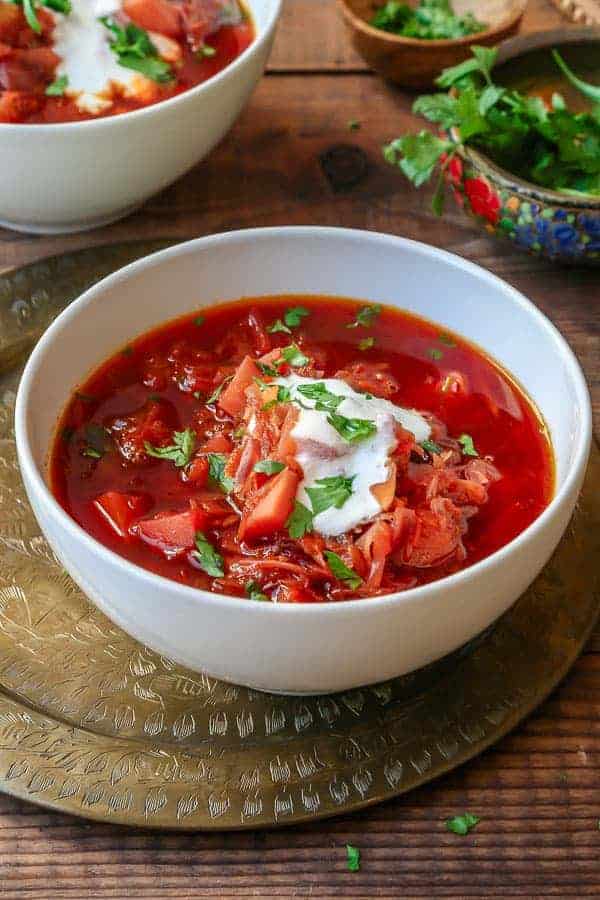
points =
(323, 453)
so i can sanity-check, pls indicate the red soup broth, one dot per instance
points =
(491, 476)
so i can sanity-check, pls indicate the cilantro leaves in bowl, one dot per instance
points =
(431, 20)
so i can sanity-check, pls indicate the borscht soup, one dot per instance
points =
(302, 449)
(71, 60)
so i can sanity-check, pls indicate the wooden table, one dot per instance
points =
(537, 792)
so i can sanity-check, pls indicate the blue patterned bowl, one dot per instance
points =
(559, 226)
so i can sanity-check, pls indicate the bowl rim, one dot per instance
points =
(35, 479)
(262, 36)
(503, 25)
(509, 49)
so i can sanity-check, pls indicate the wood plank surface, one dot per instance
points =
(291, 159)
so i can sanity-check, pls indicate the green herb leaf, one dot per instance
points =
(216, 471)
(254, 592)
(330, 492)
(218, 391)
(199, 320)
(205, 51)
(278, 326)
(135, 50)
(430, 20)
(205, 554)
(353, 858)
(58, 87)
(91, 452)
(179, 452)
(468, 447)
(293, 317)
(323, 398)
(269, 467)
(418, 155)
(366, 316)
(95, 436)
(352, 430)
(438, 108)
(434, 353)
(482, 62)
(284, 395)
(340, 570)
(266, 369)
(446, 339)
(294, 356)
(353, 125)
(592, 91)
(431, 446)
(300, 521)
(366, 343)
(462, 824)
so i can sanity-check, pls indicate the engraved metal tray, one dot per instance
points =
(94, 724)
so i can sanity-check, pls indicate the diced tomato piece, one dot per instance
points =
(11, 22)
(16, 106)
(121, 510)
(218, 443)
(233, 398)
(173, 533)
(273, 508)
(197, 471)
(155, 15)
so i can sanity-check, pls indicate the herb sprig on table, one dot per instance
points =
(545, 144)
(431, 20)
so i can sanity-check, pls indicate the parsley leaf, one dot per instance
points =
(330, 492)
(294, 356)
(352, 429)
(95, 436)
(468, 447)
(198, 321)
(254, 592)
(218, 391)
(366, 316)
(429, 20)
(434, 353)
(91, 452)
(179, 452)
(293, 316)
(325, 401)
(592, 91)
(269, 467)
(135, 50)
(205, 554)
(58, 87)
(300, 521)
(266, 369)
(278, 326)
(353, 858)
(340, 570)
(462, 824)
(446, 339)
(417, 155)
(366, 343)
(284, 395)
(216, 471)
(431, 446)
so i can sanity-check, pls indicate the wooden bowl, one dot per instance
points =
(548, 223)
(416, 63)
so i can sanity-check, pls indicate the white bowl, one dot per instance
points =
(326, 646)
(75, 176)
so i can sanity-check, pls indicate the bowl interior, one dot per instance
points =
(489, 12)
(377, 268)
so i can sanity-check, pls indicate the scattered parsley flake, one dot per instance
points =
(366, 343)
(266, 369)
(293, 316)
(254, 592)
(206, 51)
(216, 471)
(468, 447)
(446, 339)
(91, 452)
(354, 125)
(435, 353)
(207, 557)
(462, 824)
(135, 50)
(431, 446)
(269, 467)
(353, 858)
(179, 452)
(199, 320)
(325, 401)
(366, 316)
(57, 87)
(278, 326)
(300, 521)
(218, 391)
(330, 492)
(352, 429)
(294, 356)
(284, 395)
(340, 570)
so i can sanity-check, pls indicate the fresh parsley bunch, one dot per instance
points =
(553, 147)
(431, 20)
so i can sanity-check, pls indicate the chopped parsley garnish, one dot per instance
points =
(91, 452)
(293, 316)
(435, 353)
(218, 391)
(431, 20)
(462, 824)
(216, 471)
(353, 125)
(300, 521)
(340, 570)
(549, 145)
(325, 401)
(207, 557)
(135, 50)
(206, 51)
(269, 467)
(95, 436)
(366, 343)
(179, 452)
(294, 356)
(254, 592)
(352, 858)
(58, 87)
(284, 395)
(431, 446)
(61, 6)
(352, 429)
(468, 447)
(366, 316)
(239, 433)
(330, 492)
(266, 369)
(446, 339)
(278, 326)
(199, 320)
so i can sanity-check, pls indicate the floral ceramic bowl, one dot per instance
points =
(558, 226)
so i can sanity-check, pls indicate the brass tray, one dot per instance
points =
(94, 724)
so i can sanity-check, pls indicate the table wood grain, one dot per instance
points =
(292, 159)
